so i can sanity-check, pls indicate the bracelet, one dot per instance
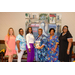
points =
(68, 50)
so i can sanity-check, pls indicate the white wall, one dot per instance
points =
(17, 20)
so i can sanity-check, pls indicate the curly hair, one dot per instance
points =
(51, 29)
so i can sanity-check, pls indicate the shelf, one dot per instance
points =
(31, 18)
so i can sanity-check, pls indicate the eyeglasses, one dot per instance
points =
(65, 28)
(21, 31)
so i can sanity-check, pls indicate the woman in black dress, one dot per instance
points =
(65, 45)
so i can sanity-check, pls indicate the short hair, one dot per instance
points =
(51, 29)
(40, 29)
(20, 29)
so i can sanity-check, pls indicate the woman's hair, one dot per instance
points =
(40, 29)
(66, 27)
(28, 30)
(9, 33)
(20, 29)
(68, 32)
(51, 29)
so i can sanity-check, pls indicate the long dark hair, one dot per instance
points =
(28, 30)
(67, 29)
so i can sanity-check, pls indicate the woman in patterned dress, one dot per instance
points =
(53, 48)
(42, 49)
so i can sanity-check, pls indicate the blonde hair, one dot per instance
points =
(9, 32)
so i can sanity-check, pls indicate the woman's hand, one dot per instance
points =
(9, 49)
(7, 46)
(38, 47)
(29, 50)
(34, 44)
(48, 48)
(19, 51)
(54, 50)
(68, 52)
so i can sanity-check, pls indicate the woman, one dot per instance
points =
(53, 48)
(20, 44)
(30, 45)
(10, 44)
(42, 47)
(65, 45)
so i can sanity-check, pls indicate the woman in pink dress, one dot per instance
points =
(10, 44)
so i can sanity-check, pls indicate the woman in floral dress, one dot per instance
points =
(53, 48)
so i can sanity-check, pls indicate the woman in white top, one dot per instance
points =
(30, 45)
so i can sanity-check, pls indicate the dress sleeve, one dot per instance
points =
(56, 40)
(27, 40)
(18, 38)
(6, 38)
(69, 36)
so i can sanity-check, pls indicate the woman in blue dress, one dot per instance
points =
(42, 48)
(53, 48)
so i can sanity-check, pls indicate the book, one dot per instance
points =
(37, 44)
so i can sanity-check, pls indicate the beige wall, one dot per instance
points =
(17, 20)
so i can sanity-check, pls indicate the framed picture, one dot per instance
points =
(58, 18)
(52, 18)
(33, 18)
(35, 28)
(43, 17)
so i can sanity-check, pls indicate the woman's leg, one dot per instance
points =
(10, 58)
(28, 55)
(20, 55)
(32, 54)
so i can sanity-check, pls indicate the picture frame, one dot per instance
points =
(58, 18)
(43, 17)
(52, 19)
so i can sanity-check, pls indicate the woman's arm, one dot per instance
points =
(69, 45)
(55, 47)
(40, 47)
(18, 45)
(7, 46)
(27, 40)
(57, 42)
